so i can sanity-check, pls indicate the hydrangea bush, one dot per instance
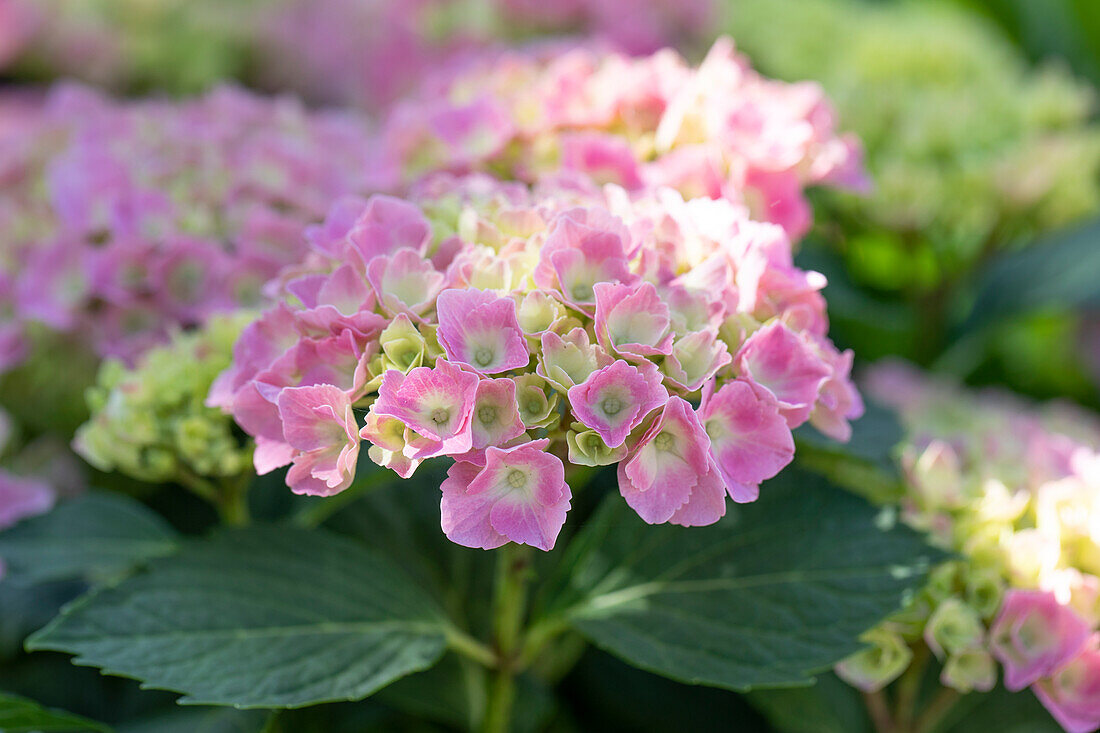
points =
(124, 220)
(518, 331)
(970, 150)
(1012, 489)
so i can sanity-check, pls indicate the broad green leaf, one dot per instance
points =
(866, 462)
(1063, 272)
(95, 536)
(778, 590)
(262, 617)
(20, 715)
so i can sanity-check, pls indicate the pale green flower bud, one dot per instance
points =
(953, 627)
(403, 347)
(587, 448)
(538, 312)
(879, 664)
(969, 670)
(538, 402)
(151, 423)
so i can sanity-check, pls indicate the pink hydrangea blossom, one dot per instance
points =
(496, 418)
(22, 497)
(480, 330)
(749, 437)
(1072, 693)
(670, 476)
(435, 403)
(632, 320)
(1034, 635)
(319, 425)
(519, 495)
(615, 399)
(779, 360)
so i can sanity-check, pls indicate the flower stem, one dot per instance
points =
(937, 710)
(909, 687)
(233, 504)
(509, 610)
(879, 710)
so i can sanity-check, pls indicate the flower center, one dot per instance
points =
(663, 442)
(483, 356)
(487, 414)
(611, 406)
(440, 415)
(517, 479)
(582, 292)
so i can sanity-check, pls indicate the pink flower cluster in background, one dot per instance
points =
(518, 331)
(720, 130)
(1015, 491)
(123, 220)
(371, 53)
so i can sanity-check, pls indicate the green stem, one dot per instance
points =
(471, 648)
(879, 710)
(909, 687)
(233, 503)
(942, 704)
(509, 610)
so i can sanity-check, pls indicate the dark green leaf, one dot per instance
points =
(262, 617)
(776, 591)
(608, 694)
(1062, 272)
(874, 437)
(20, 715)
(95, 536)
(866, 462)
(999, 710)
(828, 706)
(199, 720)
(454, 692)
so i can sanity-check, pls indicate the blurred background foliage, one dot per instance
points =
(977, 253)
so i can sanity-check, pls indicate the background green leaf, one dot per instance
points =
(776, 591)
(95, 536)
(20, 715)
(1063, 271)
(262, 617)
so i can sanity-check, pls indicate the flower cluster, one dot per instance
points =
(149, 422)
(514, 330)
(1015, 492)
(970, 148)
(719, 130)
(336, 51)
(123, 220)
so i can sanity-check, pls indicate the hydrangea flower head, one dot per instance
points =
(1013, 489)
(545, 329)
